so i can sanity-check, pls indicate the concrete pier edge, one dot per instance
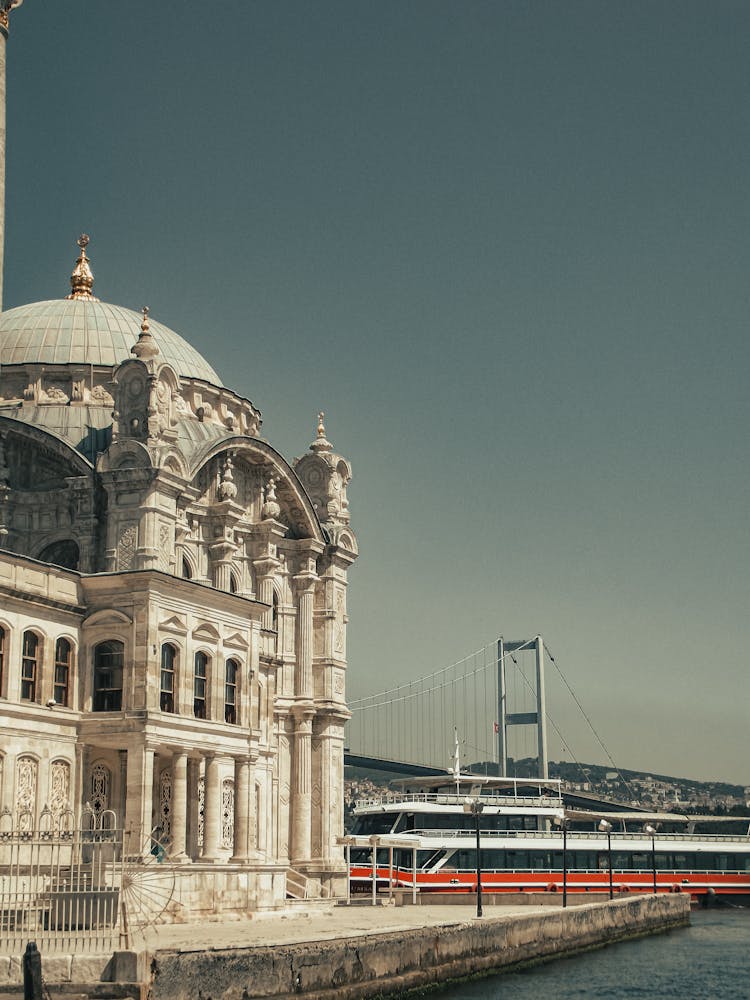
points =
(381, 964)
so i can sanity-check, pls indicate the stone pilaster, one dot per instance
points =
(242, 788)
(212, 810)
(178, 849)
(140, 786)
(193, 807)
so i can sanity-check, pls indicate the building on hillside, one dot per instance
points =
(172, 605)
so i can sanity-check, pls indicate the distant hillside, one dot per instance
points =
(595, 774)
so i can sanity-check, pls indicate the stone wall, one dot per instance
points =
(358, 967)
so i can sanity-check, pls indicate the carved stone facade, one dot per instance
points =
(173, 613)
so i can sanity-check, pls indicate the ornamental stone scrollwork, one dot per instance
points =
(59, 788)
(164, 823)
(27, 770)
(99, 787)
(100, 395)
(227, 813)
(201, 810)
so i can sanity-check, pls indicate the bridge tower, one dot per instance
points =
(505, 719)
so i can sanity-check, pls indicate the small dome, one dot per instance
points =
(76, 331)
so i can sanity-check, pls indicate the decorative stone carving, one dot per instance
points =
(201, 810)
(59, 788)
(227, 489)
(227, 813)
(100, 395)
(164, 823)
(126, 548)
(100, 783)
(271, 508)
(26, 782)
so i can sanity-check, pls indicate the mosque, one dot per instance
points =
(172, 606)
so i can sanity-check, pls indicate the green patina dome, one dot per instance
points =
(77, 331)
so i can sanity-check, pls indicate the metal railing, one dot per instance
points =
(60, 882)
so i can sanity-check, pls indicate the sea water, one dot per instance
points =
(710, 960)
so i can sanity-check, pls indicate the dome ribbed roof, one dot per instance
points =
(76, 331)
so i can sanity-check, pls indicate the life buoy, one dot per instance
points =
(676, 888)
(552, 887)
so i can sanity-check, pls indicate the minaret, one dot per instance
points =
(6, 6)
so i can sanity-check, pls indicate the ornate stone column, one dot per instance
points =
(242, 785)
(178, 850)
(303, 678)
(301, 786)
(212, 810)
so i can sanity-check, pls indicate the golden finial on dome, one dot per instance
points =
(82, 278)
(146, 347)
(321, 443)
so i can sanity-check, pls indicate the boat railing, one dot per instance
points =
(587, 835)
(527, 801)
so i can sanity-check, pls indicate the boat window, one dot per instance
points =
(364, 826)
(517, 859)
(428, 859)
(540, 859)
(360, 856)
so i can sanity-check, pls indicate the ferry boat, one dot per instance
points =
(433, 835)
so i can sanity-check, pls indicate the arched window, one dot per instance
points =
(200, 684)
(275, 612)
(109, 658)
(187, 570)
(2, 661)
(29, 666)
(168, 658)
(230, 691)
(63, 659)
(234, 583)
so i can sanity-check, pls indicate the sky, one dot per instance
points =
(505, 246)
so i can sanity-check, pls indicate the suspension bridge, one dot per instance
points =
(488, 707)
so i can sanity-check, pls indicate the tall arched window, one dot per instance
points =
(200, 684)
(230, 691)
(63, 659)
(187, 570)
(109, 658)
(29, 666)
(234, 585)
(2, 661)
(168, 659)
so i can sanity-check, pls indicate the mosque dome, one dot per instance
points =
(88, 332)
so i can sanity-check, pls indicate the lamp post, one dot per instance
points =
(476, 808)
(606, 827)
(562, 822)
(652, 833)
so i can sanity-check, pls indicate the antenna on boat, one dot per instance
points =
(456, 761)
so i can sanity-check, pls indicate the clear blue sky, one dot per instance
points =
(506, 247)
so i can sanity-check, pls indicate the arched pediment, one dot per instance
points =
(106, 616)
(124, 454)
(37, 459)
(293, 499)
